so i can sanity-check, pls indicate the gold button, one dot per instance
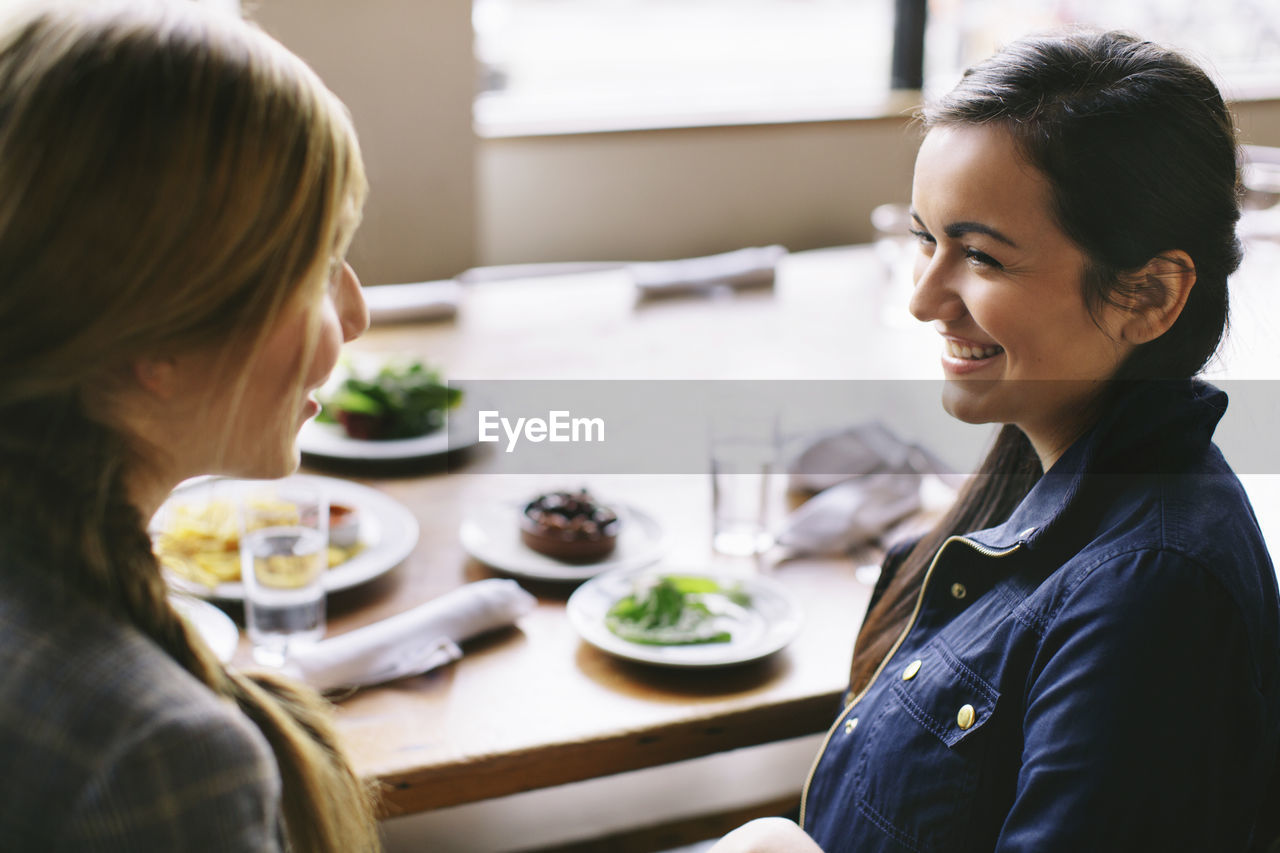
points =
(958, 591)
(966, 717)
(850, 725)
(911, 670)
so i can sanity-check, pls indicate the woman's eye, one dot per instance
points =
(982, 259)
(922, 236)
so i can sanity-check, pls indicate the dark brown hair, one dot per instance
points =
(1141, 155)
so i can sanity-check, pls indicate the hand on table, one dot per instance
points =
(767, 835)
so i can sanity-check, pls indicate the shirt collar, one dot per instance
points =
(1150, 427)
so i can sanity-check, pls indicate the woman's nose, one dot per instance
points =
(352, 310)
(934, 297)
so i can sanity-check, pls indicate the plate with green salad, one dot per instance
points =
(675, 618)
(387, 408)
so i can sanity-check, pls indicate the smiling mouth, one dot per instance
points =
(967, 352)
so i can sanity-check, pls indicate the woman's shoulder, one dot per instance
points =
(1185, 547)
(75, 648)
(106, 735)
(1201, 520)
(200, 778)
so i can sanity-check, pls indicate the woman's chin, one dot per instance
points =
(282, 465)
(964, 401)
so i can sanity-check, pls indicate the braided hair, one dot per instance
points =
(169, 176)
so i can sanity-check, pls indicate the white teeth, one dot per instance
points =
(971, 353)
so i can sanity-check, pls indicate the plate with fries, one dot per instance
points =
(196, 533)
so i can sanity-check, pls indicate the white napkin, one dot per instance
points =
(851, 514)
(867, 448)
(753, 267)
(868, 480)
(834, 457)
(412, 642)
(423, 300)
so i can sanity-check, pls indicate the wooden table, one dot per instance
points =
(534, 706)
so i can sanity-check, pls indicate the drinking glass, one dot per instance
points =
(744, 460)
(283, 557)
(896, 248)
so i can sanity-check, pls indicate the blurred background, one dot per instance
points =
(518, 131)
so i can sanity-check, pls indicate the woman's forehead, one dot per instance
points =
(978, 173)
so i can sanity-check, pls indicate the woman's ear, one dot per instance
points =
(156, 375)
(1154, 295)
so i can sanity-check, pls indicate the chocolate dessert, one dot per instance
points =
(569, 526)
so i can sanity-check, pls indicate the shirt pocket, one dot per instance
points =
(924, 751)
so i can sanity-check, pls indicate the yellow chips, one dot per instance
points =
(201, 541)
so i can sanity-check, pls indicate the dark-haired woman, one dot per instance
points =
(1084, 655)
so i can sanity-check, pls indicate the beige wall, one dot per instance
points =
(1259, 122)
(672, 193)
(405, 69)
(443, 200)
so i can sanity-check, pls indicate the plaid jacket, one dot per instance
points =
(107, 744)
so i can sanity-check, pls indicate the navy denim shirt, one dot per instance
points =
(1100, 672)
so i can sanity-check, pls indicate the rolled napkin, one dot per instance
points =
(412, 642)
(752, 267)
(506, 272)
(402, 303)
(851, 514)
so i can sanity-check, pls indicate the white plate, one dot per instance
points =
(332, 442)
(388, 532)
(492, 536)
(767, 624)
(216, 627)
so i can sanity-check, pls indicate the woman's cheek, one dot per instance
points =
(327, 348)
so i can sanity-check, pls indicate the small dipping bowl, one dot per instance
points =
(344, 525)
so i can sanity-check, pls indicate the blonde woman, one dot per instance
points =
(177, 192)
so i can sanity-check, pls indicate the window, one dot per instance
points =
(640, 62)
(603, 64)
(1237, 41)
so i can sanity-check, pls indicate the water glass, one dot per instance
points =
(744, 459)
(284, 545)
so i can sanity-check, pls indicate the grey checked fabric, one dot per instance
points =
(106, 744)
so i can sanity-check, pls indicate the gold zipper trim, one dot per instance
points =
(924, 585)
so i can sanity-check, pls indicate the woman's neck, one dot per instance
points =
(146, 489)
(1051, 439)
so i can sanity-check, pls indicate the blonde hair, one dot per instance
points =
(170, 177)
